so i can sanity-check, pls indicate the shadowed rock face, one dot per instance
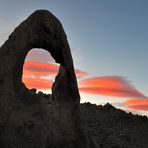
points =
(114, 128)
(26, 118)
(41, 30)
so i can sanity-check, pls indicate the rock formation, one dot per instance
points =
(35, 120)
(114, 128)
(26, 118)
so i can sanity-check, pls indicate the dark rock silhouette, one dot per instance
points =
(114, 128)
(35, 120)
(30, 120)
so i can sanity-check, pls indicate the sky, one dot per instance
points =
(109, 45)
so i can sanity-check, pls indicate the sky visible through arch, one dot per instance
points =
(109, 44)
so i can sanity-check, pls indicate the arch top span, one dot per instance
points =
(41, 30)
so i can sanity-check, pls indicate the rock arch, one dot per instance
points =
(41, 30)
(26, 120)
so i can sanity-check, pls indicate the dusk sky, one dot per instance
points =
(109, 45)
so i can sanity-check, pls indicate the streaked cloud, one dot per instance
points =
(37, 83)
(115, 86)
(36, 74)
(38, 69)
(80, 73)
(137, 104)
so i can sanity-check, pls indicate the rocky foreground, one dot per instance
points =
(114, 128)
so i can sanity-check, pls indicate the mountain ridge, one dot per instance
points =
(114, 128)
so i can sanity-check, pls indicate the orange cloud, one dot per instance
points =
(34, 68)
(143, 107)
(33, 71)
(137, 104)
(136, 101)
(80, 73)
(115, 86)
(37, 83)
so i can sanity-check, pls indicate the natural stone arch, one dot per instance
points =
(41, 30)
(26, 120)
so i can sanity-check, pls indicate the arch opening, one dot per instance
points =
(39, 71)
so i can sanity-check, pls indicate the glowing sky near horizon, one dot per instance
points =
(109, 44)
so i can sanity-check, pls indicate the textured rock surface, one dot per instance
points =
(27, 120)
(114, 128)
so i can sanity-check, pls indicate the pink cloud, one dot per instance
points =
(115, 86)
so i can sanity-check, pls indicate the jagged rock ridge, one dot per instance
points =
(114, 128)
